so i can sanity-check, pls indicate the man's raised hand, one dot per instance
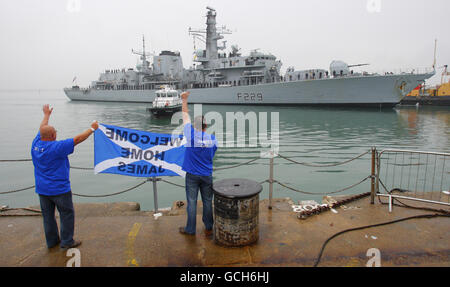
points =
(94, 125)
(47, 111)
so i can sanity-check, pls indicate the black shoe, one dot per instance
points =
(75, 243)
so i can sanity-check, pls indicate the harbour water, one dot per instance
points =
(313, 135)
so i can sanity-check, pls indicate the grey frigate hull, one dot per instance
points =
(375, 90)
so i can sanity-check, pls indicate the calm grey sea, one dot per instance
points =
(313, 135)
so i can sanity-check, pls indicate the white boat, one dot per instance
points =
(167, 102)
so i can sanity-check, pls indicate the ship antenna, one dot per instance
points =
(435, 48)
(143, 44)
(143, 48)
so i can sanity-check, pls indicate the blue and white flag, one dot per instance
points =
(136, 153)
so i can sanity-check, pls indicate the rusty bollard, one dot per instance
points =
(236, 212)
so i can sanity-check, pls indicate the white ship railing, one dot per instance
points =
(402, 71)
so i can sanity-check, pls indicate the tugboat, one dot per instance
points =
(167, 102)
(430, 96)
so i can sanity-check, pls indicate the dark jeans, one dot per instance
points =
(64, 205)
(193, 184)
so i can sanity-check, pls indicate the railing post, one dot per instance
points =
(377, 176)
(155, 192)
(390, 203)
(372, 177)
(271, 179)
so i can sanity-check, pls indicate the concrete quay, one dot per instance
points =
(119, 234)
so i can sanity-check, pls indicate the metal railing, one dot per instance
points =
(400, 174)
(271, 180)
(402, 71)
(413, 175)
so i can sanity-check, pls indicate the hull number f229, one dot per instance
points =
(250, 97)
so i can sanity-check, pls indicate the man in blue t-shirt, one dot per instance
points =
(198, 165)
(51, 173)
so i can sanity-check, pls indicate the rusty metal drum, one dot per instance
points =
(236, 212)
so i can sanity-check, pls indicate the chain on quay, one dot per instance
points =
(271, 181)
(378, 158)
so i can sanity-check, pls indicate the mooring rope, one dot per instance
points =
(17, 190)
(314, 193)
(82, 168)
(83, 195)
(182, 186)
(179, 185)
(324, 165)
(112, 194)
(238, 165)
(14, 160)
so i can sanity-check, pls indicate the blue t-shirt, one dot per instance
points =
(51, 165)
(200, 150)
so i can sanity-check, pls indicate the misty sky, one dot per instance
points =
(46, 43)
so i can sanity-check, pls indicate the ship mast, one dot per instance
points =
(143, 54)
(212, 35)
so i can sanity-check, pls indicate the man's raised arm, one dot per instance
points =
(84, 135)
(47, 112)
(185, 110)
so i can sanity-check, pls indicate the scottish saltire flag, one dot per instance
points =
(136, 153)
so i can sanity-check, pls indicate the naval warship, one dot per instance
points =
(221, 77)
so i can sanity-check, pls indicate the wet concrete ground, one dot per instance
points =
(120, 235)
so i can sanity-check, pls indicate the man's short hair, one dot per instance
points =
(47, 132)
(200, 123)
